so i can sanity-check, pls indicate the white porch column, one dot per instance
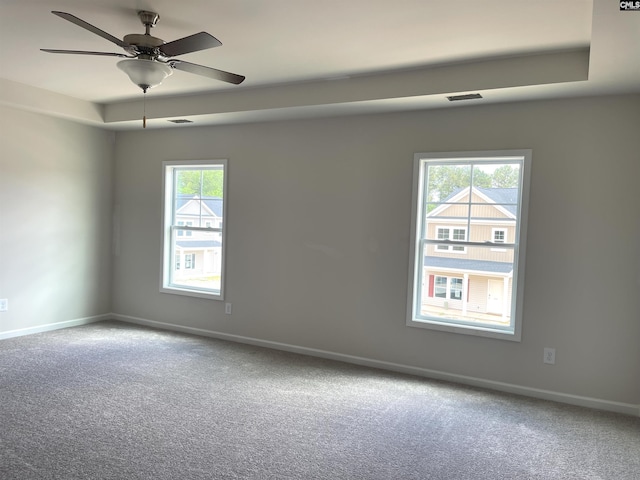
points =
(465, 295)
(505, 298)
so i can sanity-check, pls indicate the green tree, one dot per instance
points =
(505, 176)
(481, 179)
(204, 183)
(446, 179)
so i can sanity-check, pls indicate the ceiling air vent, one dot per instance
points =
(468, 96)
(180, 120)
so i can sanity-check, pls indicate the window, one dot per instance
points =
(440, 289)
(455, 289)
(451, 233)
(443, 234)
(446, 287)
(190, 261)
(467, 203)
(459, 234)
(498, 235)
(193, 240)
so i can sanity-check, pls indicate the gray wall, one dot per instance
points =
(56, 180)
(318, 238)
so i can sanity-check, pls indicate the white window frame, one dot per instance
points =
(451, 281)
(448, 287)
(438, 285)
(169, 238)
(189, 261)
(418, 244)
(493, 239)
(443, 247)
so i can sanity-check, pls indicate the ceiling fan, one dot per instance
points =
(149, 60)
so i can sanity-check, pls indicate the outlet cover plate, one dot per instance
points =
(549, 356)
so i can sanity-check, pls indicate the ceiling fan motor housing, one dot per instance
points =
(144, 44)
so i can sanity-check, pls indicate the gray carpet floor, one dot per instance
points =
(118, 401)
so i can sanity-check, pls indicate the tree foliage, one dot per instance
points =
(444, 180)
(204, 183)
(505, 176)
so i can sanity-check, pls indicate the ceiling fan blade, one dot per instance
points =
(192, 43)
(207, 72)
(83, 52)
(91, 28)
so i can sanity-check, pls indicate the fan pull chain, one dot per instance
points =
(144, 109)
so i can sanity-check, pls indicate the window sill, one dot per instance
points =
(478, 331)
(174, 290)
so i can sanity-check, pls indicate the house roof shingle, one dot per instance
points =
(214, 204)
(502, 196)
(199, 244)
(469, 265)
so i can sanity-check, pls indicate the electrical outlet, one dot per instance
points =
(549, 356)
(4, 304)
(227, 308)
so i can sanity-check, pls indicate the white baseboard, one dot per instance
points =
(595, 403)
(54, 326)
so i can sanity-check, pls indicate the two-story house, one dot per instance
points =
(198, 254)
(465, 281)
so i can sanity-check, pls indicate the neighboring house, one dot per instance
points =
(473, 280)
(198, 254)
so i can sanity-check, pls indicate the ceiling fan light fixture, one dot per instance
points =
(145, 73)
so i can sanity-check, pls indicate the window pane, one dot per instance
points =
(442, 234)
(492, 200)
(489, 289)
(440, 289)
(199, 195)
(444, 181)
(201, 259)
(459, 234)
(496, 175)
(456, 289)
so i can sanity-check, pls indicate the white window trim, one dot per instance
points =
(415, 274)
(167, 247)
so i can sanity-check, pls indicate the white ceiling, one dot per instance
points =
(318, 57)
